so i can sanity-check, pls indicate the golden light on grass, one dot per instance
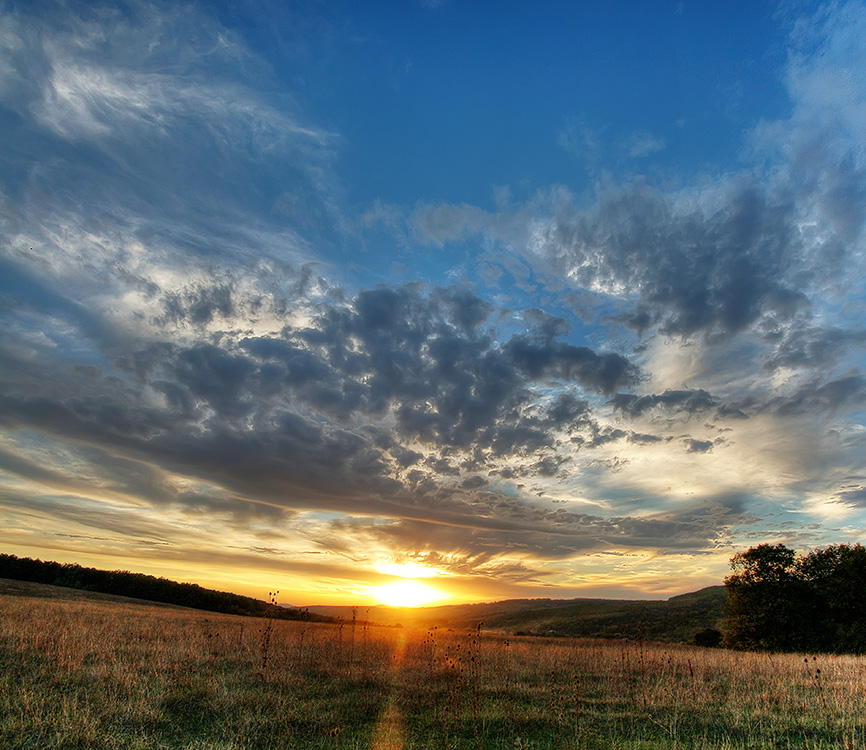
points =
(137, 675)
(406, 593)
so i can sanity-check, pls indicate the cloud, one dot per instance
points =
(555, 534)
(103, 73)
(333, 414)
(677, 401)
(603, 373)
(641, 143)
(183, 339)
(855, 497)
(589, 143)
(764, 252)
(846, 392)
(76, 511)
(698, 446)
(688, 270)
(815, 347)
(124, 98)
(580, 139)
(448, 223)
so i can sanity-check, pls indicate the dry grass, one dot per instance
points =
(93, 674)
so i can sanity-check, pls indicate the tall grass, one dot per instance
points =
(89, 674)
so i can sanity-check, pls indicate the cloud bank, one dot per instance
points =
(190, 371)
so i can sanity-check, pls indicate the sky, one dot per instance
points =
(506, 299)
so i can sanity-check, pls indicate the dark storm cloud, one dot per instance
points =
(213, 375)
(725, 412)
(600, 436)
(568, 410)
(442, 466)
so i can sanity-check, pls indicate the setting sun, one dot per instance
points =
(406, 593)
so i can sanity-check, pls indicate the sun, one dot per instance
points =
(406, 593)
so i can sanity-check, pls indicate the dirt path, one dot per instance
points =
(390, 733)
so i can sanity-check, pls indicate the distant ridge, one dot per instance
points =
(676, 620)
(146, 587)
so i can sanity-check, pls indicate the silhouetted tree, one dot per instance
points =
(837, 578)
(779, 602)
(761, 599)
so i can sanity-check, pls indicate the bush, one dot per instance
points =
(708, 638)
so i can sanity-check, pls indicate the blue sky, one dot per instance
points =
(531, 299)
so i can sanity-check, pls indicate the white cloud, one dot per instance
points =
(580, 139)
(641, 143)
(825, 71)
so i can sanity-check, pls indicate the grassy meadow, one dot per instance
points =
(81, 672)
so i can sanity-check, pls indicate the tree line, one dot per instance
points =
(779, 601)
(141, 586)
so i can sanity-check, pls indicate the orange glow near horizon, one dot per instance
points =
(406, 593)
(407, 570)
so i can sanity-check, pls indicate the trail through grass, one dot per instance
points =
(389, 733)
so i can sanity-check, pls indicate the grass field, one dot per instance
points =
(89, 673)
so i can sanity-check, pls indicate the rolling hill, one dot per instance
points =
(674, 620)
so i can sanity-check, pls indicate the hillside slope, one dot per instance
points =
(674, 620)
(140, 586)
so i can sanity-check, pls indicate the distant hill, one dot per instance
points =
(141, 586)
(675, 620)
(10, 587)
